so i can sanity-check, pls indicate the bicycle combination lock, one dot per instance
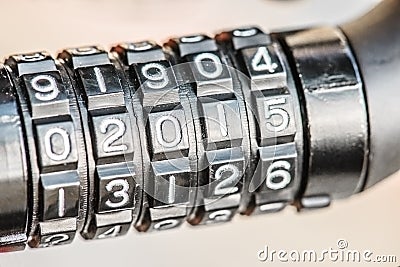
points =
(196, 130)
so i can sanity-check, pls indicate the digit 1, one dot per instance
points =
(171, 190)
(222, 119)
(61, 202)
(100, 80)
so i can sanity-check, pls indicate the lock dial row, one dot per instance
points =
(196, 130)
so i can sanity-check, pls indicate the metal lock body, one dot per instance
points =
(197, 130)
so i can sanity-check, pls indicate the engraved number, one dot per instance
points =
(84, 51)
(46, 87)
(32, 57)
(205, 59)
(121, 193)
(115, 134)
(167, 224)
(278, 176)
(271, 109)
(220, 215)
(156, 75)
(112, 232)
(55, 240)
(192, 39)
(48, 145)
(227, 185)
(140, 46)
(262, 61)
(160, 135)
(245, 32)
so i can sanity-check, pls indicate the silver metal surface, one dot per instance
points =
(55, 144)
(14, 175)
(336, 116)
(180, 133)
(220, 120)
(274, 119)
(114, 155)
(169, 172)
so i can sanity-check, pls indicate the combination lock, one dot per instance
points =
(197, 130)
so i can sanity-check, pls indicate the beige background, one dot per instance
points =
(368, 221)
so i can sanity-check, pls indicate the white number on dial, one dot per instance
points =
(271, 108)
(207, 57)
(262, 61)
(123, 193)
(220, 215)
(114, 135)
(278, 175)
(156, 75)
(45, 86)
(166, 224)
(48, 145)
(32, 57)
(160, 135)
(55, 240)
(227, 185)
(112, 232)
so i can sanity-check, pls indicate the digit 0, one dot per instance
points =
(160, 136)
(49, 148)
(205, 59)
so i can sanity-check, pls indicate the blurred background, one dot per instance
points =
(367, 221)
